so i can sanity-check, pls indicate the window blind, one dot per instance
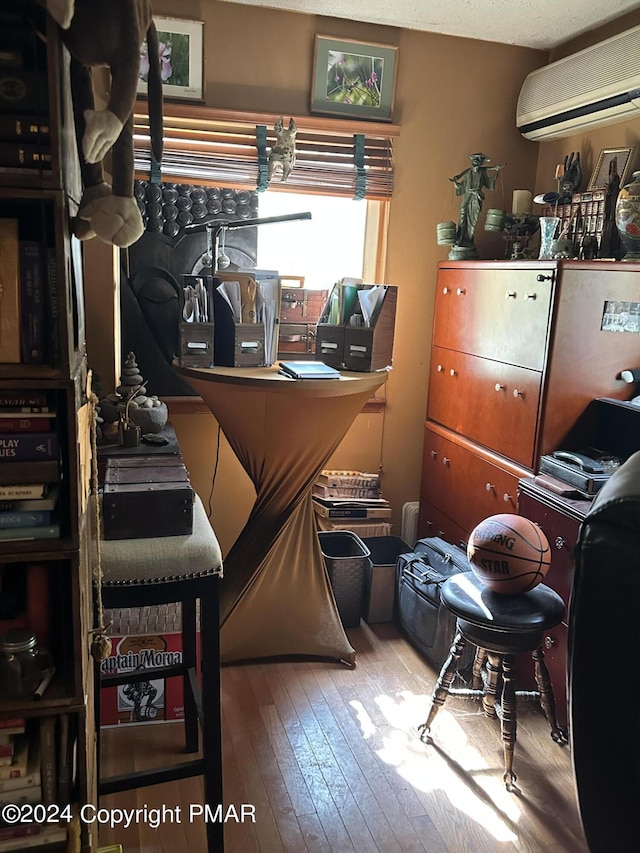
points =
(223, 148)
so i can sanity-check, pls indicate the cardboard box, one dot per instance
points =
(156, 700)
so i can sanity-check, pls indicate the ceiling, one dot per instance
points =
(541, 24)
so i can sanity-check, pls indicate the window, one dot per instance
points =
(323, 250)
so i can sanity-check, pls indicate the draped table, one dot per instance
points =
(275, 598)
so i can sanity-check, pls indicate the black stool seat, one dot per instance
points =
(500, 626)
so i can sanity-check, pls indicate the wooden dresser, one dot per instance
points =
(519, 352)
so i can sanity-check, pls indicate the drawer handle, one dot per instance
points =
(544, 277)
(434, 454)
(500, 387)
(460, 291)
(531, 296)
(549, 642)
(517, 393)
(510, 294)
(560, 542)
(507, 498)
(489, 487)
(440, 368)
(445, 290)
(445, 461)
(453, 372)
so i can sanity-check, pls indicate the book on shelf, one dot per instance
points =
(66, 757)
(19, 830)
(47, 501)
(374, 503)
(22, 491)
(25, 154)
(25, 423)
(20, 764)
(24, 518)
(50, 833)
(12, 399)
(28, 446)
(24, 128)
(48, 759)
(21, 796)
(52, 290)
(14, 411)
(24, 91)
(13, 725)
(351, 492)
(33, 309)
(18, 473)
(10, 278)
(19, 534)
(6, 749)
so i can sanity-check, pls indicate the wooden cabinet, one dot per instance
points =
(520, 352)
(560, 519)
(49, 564)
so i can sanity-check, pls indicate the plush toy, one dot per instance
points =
(283, 153)
(109, 34)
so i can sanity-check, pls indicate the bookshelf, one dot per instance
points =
(45, 576)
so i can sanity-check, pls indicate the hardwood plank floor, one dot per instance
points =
(331, 759)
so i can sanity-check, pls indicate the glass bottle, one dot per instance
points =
(22, 663)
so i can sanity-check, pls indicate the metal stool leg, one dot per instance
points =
(189, 656)
(547, 698)
(441, 690)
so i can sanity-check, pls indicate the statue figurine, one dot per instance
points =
(469, 184)
(570, 179)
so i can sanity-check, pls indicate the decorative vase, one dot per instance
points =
(548, 226)
(627, 216)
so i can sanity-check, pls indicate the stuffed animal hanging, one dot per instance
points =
(109, 34)
(283, 153)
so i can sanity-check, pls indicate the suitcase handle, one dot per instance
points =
(427, 575)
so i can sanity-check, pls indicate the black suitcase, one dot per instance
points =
(422, 617)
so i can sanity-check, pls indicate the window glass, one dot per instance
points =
(323, 250)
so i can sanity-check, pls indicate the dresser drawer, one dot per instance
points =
(493, 403)
(432, 522)
(499, 314)
(464, 486)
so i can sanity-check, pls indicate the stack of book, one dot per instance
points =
(30, 775)
(349, 495)
(28, 486)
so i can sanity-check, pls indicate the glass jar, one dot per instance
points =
(22, 664)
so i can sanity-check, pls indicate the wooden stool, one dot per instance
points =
(500, 626)
(168, 569)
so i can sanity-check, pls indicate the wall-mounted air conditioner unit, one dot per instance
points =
(596, 86)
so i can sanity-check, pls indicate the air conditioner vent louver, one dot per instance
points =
(581, 85)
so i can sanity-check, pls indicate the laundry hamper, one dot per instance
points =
(347, 559)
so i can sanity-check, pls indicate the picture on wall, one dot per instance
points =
(181, 59)
(354, 79)
(612, 166)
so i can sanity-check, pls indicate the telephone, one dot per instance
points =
(591, 462)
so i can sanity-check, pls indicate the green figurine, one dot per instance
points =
(469, 184)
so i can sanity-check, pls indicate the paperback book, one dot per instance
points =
(308, 370)
(28, 447)
(32, 302)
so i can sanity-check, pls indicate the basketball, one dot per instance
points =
(508, 553)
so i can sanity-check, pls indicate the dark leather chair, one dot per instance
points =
(604, 645)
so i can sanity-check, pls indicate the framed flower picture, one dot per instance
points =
(353, 78)
(181, 59)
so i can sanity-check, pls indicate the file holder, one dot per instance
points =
(196, 339)
(362, 349)
(235, 344)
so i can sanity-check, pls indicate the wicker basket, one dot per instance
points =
(347, 558)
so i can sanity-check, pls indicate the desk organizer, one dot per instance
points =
(235, 344)
(359, 348)
(196, 338)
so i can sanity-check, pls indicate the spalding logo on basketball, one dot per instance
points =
(508, 553)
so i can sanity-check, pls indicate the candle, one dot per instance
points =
(521, 204)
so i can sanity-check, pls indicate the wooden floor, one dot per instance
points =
(331, 760)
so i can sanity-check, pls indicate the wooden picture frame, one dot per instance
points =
(181, 59)
(355, 79)
(618, 159)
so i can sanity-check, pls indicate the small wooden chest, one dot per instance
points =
(145, 497)
(299, 305)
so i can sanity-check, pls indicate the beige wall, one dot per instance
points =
(454, 97)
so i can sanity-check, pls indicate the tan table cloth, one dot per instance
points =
(276, 598)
